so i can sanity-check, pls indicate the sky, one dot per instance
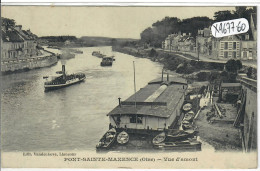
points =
(116, 22)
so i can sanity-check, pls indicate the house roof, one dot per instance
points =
(230, 85)
(227, 37)
(16, 36)
(11, 36)
(153, 99)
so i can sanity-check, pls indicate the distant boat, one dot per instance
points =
(159, 138)
(186, 125)
(122, 137)
(62, 80)
(187, 107)
(107, 61)
(107, 140)
(188, 117)
(76, 51)
(97, 54)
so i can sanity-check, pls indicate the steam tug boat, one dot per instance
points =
(62, 80)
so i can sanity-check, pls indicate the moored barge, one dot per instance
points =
(155, 107)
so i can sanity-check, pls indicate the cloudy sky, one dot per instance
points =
(118, 22)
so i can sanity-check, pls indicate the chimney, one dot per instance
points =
(247, 37)
(167, 76)
(184, 34)
(162, 74)
(119, 101)
(18, 28)
(63, 71)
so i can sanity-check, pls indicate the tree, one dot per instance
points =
(113, 42)
(8, 23)
(233, 65)
(249, 72)
(153, 53)
(224, 15)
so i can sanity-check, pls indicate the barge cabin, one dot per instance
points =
(155, 107)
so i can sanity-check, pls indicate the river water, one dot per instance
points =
(72, 118)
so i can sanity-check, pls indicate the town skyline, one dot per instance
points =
(111, 22)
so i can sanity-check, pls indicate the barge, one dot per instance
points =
(150, 118)
(107, 61)
(156, 107)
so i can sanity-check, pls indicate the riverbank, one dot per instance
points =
(45, 60)
(218, 133)
(184, 63)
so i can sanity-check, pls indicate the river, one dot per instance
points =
(72, 118)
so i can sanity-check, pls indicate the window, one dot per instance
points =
(234, 54)
(234, 45)
(245, 54)
(225, 54)
(226, 45)
(134, 118)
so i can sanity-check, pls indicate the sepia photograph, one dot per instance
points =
(143, 87)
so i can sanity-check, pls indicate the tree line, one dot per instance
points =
(159, 30)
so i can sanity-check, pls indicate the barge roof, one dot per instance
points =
(162, 106)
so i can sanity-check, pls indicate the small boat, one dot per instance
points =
(107, 140)
(122, 137)
(62, 80)
(97, 54)
(189, 145)
(186, 125)
(188, 117)
(180, 135)
(187, 107)
(107, 61)
(159, 138)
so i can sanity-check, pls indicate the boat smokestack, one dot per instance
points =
(119, 101)
(63, 71)
(167, 76)
(162, 74)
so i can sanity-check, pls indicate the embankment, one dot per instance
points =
(171, 61)
(28, 64)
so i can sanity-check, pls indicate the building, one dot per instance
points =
(248, 48)
(227, 47)
(178, 42)
(247, 114)
(154, 107)
(203, 41)
(168, 42)
(18, 43)
(249, 43)
(187, 44)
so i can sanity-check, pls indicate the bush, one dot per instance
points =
(233, 65)
(203, 76)
(249, 72)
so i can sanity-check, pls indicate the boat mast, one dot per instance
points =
(134, 82)
(135, 92)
